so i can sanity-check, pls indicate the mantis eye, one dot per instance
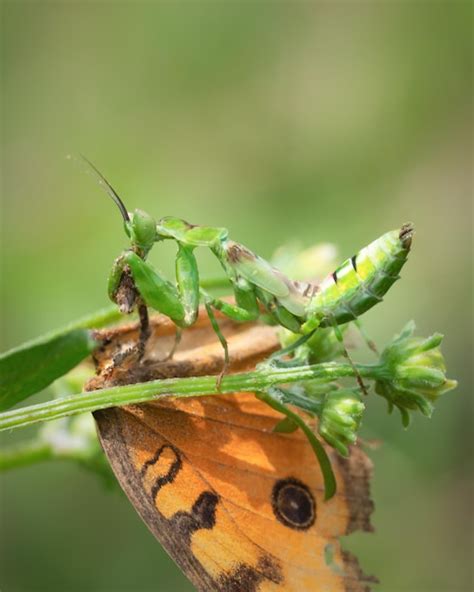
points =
(143, 229)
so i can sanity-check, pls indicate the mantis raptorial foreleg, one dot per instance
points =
(181, 302)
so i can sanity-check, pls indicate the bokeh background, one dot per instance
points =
(316, 121)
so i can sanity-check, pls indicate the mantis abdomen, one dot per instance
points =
(363, 280)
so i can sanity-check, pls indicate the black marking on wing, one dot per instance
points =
(306, 289)
(293, 504)
(170, 476)
(354, 262)
(201, 516)
(245, 578)
(334, 276)
(156, 457)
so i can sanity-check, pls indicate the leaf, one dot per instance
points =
(31, 367)
(273, 397)
(34, 365)
(285, 426)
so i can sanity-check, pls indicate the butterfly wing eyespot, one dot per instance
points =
(238, 506)
(293, 504)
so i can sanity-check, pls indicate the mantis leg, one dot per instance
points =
(177, 341)
(340, 338)
(369, 342)
(232, 311)
(245, 310)
(222, 339)
(276, 358)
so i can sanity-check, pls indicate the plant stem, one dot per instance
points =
(25, 454)
(179, 387)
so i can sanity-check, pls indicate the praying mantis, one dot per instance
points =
(260, 290)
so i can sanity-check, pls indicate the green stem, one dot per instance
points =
(179, 387)
(24, 455)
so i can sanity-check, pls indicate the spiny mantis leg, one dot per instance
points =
(222, 339)
(233, 312)
(369, 342)
(340, 338)
(288, 350)
(177, 341)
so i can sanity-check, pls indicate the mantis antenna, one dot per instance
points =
(108, 188)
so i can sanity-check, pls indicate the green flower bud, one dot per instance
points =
(340, 419)
(413, 373)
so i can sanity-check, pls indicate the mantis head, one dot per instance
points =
(141, 229)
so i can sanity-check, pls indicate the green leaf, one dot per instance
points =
(34, 365)
(274, 398)
(285, 426)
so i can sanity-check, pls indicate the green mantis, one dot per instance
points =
(260, 291)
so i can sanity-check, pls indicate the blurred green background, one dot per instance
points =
(322, 122)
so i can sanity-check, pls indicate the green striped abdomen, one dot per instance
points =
(363, 280)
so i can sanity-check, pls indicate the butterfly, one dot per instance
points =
(238, 506)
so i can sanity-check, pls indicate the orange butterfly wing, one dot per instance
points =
(238, 506)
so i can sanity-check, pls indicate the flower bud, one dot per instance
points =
(413, 373)
(340, 419)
